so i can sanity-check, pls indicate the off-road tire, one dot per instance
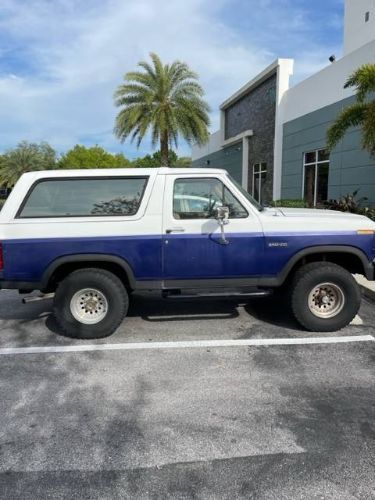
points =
(107, 284)
(311, 275)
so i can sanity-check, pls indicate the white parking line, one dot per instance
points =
(184, 344)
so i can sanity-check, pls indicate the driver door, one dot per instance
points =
(193, 248)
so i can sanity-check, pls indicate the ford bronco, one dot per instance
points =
(92, 237)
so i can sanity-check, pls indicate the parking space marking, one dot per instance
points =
(185, 344)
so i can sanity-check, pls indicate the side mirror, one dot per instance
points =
(222, 217)
(222, 213)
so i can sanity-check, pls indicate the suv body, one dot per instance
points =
(160, 229)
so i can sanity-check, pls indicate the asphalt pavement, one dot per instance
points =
(192, 422)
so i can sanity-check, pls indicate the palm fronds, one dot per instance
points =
(165, 101)
(361, 114)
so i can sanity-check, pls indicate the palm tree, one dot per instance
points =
(165, 100)
(26, 157)
(361, 113)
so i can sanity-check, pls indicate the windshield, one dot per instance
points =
(247, 195)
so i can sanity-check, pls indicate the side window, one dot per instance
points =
(197, 199)
(84, 197)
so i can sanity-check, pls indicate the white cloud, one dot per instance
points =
(77, 52)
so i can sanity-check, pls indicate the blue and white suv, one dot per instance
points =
(92, 237)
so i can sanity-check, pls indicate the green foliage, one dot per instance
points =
(154, 161)
(368, 212)
(26, 157)
(290, 203)
(94, 157)
(350, 203)
(164, 100)
(347, 203)
(362, 113)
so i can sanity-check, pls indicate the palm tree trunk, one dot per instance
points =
(164, 150)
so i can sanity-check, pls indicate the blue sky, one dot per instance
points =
(61, 60)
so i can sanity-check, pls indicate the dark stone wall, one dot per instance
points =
(256, 111)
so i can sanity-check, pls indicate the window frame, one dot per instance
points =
(209, 218)
(19, 216)
(259, 173)
(316, 164)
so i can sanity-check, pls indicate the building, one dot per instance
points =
(272, 137)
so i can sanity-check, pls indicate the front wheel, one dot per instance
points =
(90, 303)
(325, 297)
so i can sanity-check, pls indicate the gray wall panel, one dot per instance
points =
(351, 167)
(229, 158)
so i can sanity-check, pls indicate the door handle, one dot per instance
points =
(175, 230)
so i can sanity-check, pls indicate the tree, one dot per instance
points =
(25, 157)
(361, 113)
(165, 100)
(94, 157)
(154, 161)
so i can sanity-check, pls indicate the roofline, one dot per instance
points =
(252, 84)
(120, 172)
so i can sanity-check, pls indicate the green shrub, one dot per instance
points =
(290, 203)
(350, 203)
(368, 212)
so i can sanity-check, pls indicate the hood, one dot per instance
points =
(314, 213)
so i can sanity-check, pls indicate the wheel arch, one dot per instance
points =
(351, 258)
(62, 266)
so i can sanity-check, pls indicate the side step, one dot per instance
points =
(201, 294)
(37, 298)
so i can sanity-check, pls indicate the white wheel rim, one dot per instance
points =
(89, 306)
(326, 300)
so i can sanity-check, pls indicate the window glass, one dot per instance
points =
(323, 155)
(256, 192)
(259, 180)
(198, 198)
(85, 197)
(322, 181)
(316, 177)
(310, 157)
(309, 184)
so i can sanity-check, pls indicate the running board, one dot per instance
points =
(172, 295)
(37, 298)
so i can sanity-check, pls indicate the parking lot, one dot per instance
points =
(204, 420)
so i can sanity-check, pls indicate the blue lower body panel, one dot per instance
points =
(26, 260)
(178, 256)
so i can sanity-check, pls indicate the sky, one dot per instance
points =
(61, 60)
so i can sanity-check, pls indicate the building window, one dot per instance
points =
(259, 180)
(315, 175)
(367, 16)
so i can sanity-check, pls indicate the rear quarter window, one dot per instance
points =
(84, 197)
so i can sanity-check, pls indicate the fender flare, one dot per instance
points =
(367, 265)
(88, 258)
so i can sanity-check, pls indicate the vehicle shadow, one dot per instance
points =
(273, 312)
(155, 309)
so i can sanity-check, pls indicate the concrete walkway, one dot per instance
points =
(368, 287)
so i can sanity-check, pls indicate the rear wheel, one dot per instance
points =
(325, 297)
(90, 303)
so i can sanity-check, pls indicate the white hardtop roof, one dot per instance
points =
(108, 172)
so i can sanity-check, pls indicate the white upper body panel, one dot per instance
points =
(156, 204)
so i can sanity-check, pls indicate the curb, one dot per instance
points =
(368, 293)
(367, 287)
